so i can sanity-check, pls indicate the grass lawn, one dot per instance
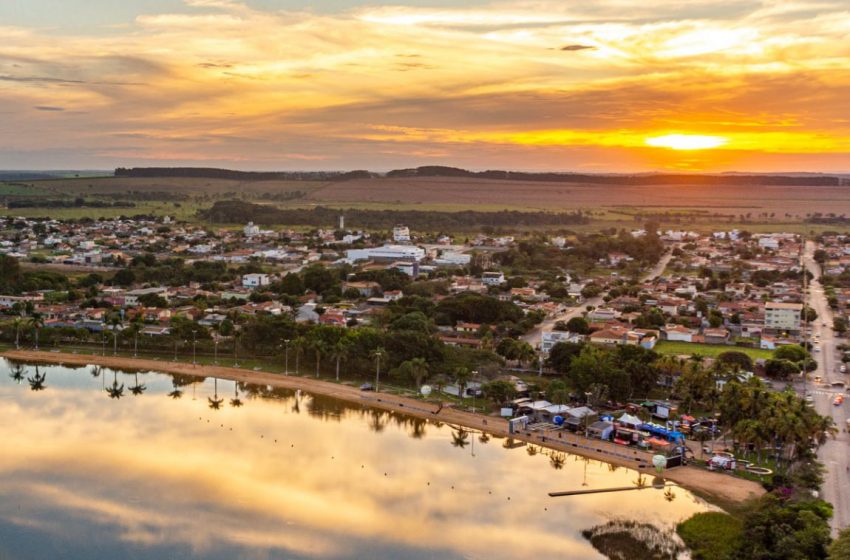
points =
(708, 350)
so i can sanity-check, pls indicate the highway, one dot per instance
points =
(534, 336)
(833, 454)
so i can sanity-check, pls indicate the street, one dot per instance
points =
(534, 336)
(833, 454)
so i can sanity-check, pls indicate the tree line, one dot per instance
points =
(237, 211)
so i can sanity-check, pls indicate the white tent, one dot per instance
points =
(630, 420)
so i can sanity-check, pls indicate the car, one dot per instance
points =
(810, 398)
(838, 401)
(817, 349)
(843, 369)
(818, 379)
(367, 387)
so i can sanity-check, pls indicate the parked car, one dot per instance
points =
(367, 387)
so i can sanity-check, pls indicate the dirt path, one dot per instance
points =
(725, 487)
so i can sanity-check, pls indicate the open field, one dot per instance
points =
(756, 208)
(708, 350)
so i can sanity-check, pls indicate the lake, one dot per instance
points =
(103, 464)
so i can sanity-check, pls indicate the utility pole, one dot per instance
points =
(286, 359)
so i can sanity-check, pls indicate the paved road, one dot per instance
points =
(533, 337)
(835, 454)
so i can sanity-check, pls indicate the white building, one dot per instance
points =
(401, 234)
(255, 280)
(782, 316)
(493, 278)
(449, 258)
(386, 253)
(251, 230)
(131, 298)
(548, 339)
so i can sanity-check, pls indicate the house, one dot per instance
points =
(411, 268)
(366, 289)
(468, 327)
(603, 314)
(493, 278)
(255, 280)
(251, 230)
(549, 339)
(678, 333)
(401, 234)
(716, 336)
(131, 298)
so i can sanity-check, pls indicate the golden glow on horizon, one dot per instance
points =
(686, 141)
(384, 85)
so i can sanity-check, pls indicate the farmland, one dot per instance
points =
(698, 207)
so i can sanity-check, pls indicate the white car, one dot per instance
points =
(817, 348)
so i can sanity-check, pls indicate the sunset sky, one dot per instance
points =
(603, 85)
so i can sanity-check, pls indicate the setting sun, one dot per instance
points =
(686, 141)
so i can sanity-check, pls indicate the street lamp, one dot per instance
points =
(378, 353)
(215, 347)
(194, 347)
(235, 351)
(175, 350)
(286, 359)
(103, 344)
(474, 375)
(136, 344)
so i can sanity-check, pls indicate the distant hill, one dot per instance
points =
(637, 179)
(214, 173)
(46, 175)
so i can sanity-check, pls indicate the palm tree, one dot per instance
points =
(299, 343)
(115, 322)
(17, 373)
(36, 322)
(177, 392)
(419, 370)
(37, 381)
(116, 391)
(215, 402)
(462, 377)
(339, 352)
(318, 346)
(557, 460)
(138, 389)
(235, 401)
(460, 437)
(17, 323)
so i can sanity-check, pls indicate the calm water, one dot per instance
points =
(83, 475)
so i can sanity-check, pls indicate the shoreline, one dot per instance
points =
(724, 487)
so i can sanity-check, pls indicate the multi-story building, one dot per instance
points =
(780, 316)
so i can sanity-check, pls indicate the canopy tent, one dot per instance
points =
(630, 420)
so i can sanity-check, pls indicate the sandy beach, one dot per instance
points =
(721, 486)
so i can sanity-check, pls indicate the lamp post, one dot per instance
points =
(235, 351)
(194, 347)
(175, 350)
(286, 359)
(136, 344)
(215, 350)
(378, 353)
(474, 376)
(103, 344)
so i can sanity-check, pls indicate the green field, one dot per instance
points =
(708, 350)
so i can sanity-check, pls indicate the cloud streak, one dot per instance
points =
(767, 75)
